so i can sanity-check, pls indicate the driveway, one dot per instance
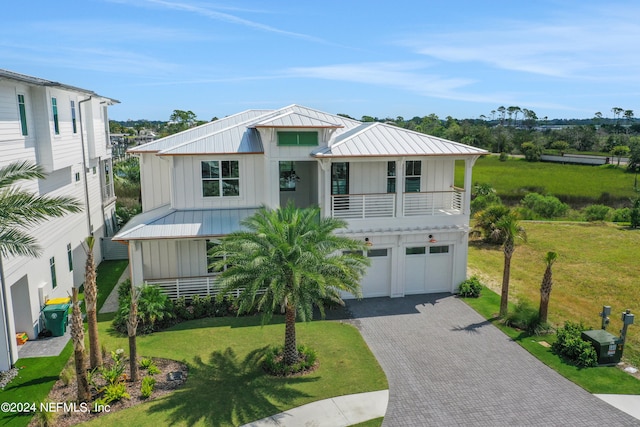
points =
(448, 366)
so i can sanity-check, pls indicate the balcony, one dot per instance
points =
(383, 205)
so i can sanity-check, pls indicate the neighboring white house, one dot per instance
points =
(394, 187)
(64, 129)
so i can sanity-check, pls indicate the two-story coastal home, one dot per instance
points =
(394, 187)
(64, 129)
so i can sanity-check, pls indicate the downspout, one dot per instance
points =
(84, 171)
(5, 310)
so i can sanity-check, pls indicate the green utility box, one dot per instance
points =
(608, 346)
(56, 318)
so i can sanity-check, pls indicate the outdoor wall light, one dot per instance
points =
(367, 242)
(432, 239)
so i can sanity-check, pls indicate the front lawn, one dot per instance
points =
(226, 386)
(599, 380)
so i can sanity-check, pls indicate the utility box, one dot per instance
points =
(608, 346)
(56, 318)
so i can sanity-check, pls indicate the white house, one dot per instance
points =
(64, 129)
(394, 187)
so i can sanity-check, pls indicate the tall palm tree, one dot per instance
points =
(508, 229)
(290, 260)
(545, 287)
(90, 299)
(77, 336)
(21, 210)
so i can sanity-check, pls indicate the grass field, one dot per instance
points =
(597, 265)
(573, 184)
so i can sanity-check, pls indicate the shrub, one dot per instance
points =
(545, 206)
(113, 373)
(115, 392)
(470, 288)
(634, 213)
(147, 386)
(274, 365)
(524, 317)
(480, 203)
(67, 374)
(596, 212)
(621, 215)
(570, 345)
(531, 151)
(503, 157)
(154, 309)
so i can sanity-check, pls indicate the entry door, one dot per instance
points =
(377, 281)
(415, 269)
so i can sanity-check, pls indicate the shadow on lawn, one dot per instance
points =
(226, 391)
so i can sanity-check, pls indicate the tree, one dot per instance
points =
(545, 287)
(90, 299)
(132, 328)
(77, 336)
(486, 222)
(21, 210)
(508, 229)
(620, 151)
(289, 260)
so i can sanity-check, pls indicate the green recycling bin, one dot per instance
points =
(56, 318)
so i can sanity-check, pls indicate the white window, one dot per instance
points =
(413, 170)
(220, 178)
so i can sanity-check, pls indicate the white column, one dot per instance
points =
(468, 165)
(135, 262)
(400, 187)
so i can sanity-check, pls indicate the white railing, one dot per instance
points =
(108, 192)
(353, 206)
(188, 287)
(433, 203)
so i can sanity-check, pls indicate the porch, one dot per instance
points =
(188, 287)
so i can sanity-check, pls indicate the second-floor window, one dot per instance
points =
(413, 170)
(220, 178)
(23, 115)
(73, 117)
(54, 111)
(391, 177)
(297, 138)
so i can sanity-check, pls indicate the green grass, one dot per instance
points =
(376, 422)
(574, 184)
(108, 273)
(596, 266)
(226, 386)
(600, 380)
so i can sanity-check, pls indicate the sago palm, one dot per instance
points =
(545, 287)
(289, 260)
(21, 210)
(507, 229)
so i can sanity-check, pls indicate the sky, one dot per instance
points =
(465, 58)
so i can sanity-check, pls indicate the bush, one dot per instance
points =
(596, 212)
(621, 215)
(570, 345)
(155, 310)
(147, 386)
(531, 151)
(115, 392)
(524, 317)
(274, 365)
(481, 202)
(545, 206)
(470, 288)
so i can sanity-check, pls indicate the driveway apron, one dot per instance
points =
(447, 366)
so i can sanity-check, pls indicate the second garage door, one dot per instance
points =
(377, 281)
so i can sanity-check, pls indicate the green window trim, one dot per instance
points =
(297, 139)
(52, 268)
(70, 257)
(54, 110)
(23, 115)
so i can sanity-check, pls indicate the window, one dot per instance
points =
(372, 253)
(73, 117)
(439, 249)
(412, 176)
(288, 176)
(297, 138)
(52, 267)
(340, 178)
(418, 250)
(70, 257)
(77, 176)
(220, 178)
(391, 177)
(23, 115)
(54, 110)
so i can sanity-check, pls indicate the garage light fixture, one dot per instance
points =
(367, 242)
(432, 239)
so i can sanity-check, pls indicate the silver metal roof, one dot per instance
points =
(292, 119)
(381, 139)
(166, 223)
(36, 81)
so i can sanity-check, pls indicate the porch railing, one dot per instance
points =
(188, 287)
(352, 206)
(433, 203)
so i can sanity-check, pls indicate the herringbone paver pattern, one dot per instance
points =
(447, 366)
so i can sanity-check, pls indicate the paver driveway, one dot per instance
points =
(446, 365)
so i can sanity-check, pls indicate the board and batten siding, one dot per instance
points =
(14, 146)
(187, 183)
(155, 179)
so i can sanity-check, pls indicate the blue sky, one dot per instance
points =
(561, 59)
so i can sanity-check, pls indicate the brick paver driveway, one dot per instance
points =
(447, 366)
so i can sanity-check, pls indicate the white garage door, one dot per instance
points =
(427, 269)
(377, 281)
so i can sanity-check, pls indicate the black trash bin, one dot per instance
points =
(56, 318)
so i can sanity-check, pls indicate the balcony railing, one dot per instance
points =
(433, 203)
(350, 206)
(188, 287)
(383, 205)
(108, 193)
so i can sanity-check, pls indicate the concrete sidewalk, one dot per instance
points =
(340, 411)
(111, 303)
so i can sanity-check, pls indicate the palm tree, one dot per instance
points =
(132, 329)
(545, 287)
(77, 336)
(508, 229)
(21, 210)
(90, 299)
(289, 260)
